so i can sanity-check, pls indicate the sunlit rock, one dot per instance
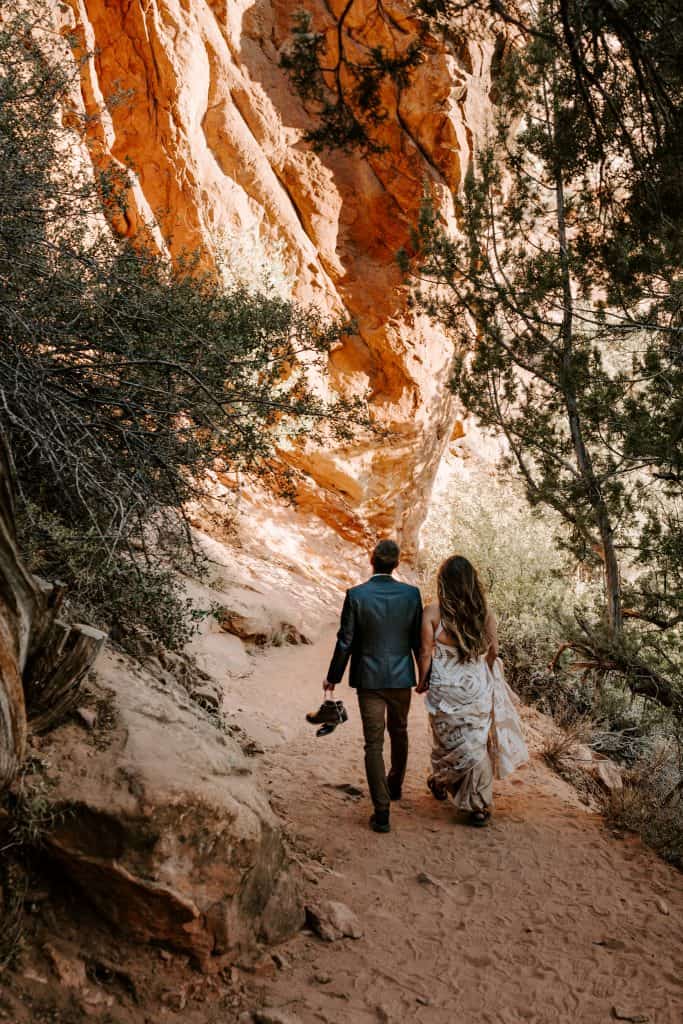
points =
(198, 105)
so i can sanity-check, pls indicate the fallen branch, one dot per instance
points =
(602, 658)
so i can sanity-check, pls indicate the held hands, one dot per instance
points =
(422, 686)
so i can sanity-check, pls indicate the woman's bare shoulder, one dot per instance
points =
(432, 612)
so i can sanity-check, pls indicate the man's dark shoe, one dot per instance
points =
(394, 787)
(330, 712)
(326, 729)
(379, 822)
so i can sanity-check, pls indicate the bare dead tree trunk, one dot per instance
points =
(42, 659)
(53, 676)
(17, 598)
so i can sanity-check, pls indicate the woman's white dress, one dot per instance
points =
(476, 729)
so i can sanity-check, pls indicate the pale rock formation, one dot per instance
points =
(161, 823)
(211, 125)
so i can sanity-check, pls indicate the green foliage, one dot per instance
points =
(569, 359)
(563, 290)
(124, 378)
(531, 584)
(350, 85)
(117, 592)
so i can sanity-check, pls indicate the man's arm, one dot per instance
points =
(342, 651)
(416, 633)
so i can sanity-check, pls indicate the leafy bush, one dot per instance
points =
(119, 593)
(124, 377)
(532, 584)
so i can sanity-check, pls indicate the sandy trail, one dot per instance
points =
(544, 917)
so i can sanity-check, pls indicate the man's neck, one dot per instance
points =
(382, 574)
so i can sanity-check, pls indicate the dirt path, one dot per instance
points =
(545, 917)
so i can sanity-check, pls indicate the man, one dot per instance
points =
(380, 633)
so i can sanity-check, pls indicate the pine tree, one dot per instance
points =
(565, 310)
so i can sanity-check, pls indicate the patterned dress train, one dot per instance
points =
(476, 730)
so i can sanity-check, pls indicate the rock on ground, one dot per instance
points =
(161, 823)
(332, 920)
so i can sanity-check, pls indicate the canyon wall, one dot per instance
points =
(190, 94)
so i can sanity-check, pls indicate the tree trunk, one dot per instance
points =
(583, 458)
(42, 659)
(17, 599)
(53, 684)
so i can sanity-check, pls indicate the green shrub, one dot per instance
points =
(532, 585)
(124, 377)
(121, 594)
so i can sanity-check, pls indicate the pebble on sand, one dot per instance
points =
(331, 920)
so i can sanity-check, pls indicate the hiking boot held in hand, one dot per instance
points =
(329, 715)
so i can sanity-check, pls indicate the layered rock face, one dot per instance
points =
(190, 93)
(161, 823)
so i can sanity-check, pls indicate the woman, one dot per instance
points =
(475, 727)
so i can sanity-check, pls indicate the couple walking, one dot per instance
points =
(475, 728)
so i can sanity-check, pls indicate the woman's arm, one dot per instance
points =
(492, 639)
(426, 648)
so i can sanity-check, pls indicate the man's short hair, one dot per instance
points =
(386, 555)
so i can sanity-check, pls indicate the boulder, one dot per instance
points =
(221, 655)
(249, 613)
(162, 825)
(608, 774)
(261, 629)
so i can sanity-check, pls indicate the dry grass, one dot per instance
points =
(562, 752)
(32, 811)
(12, 893)
(651, 801)
(651, 804)
(561, 747)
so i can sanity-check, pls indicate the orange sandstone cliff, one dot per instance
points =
(191, 95)
(163, 821)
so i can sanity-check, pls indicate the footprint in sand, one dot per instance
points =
(478, 961)
(466, 891)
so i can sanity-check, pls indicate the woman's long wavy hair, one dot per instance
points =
(463, 606)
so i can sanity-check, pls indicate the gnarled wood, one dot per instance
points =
(17, 600)
(55, 683)
(42, 659)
